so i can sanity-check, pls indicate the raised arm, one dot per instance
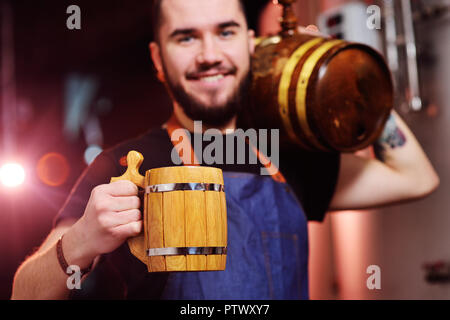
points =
(401, 172)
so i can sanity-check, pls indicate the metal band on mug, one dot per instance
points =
(168, 187)
(181, 251)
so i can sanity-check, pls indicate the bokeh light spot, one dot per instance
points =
(53, 169)
(91, 153)
(12, 175)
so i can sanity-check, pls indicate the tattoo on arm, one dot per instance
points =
(391, 138)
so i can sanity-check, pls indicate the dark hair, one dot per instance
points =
(156, 16)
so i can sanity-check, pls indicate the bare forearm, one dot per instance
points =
(41, 277)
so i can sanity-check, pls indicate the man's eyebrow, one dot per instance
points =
(228, 24)
(189, 31)
(177, 32)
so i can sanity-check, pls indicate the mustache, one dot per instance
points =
(208, 71)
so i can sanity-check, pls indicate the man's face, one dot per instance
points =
(204, 56)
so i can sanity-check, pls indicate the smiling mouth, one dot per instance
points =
(210, 77)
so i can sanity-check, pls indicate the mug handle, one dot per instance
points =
(134, 162)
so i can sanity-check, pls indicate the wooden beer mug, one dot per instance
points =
(184, 218)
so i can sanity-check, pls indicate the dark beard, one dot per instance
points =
(214, 116)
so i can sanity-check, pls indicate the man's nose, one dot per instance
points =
(210, 53)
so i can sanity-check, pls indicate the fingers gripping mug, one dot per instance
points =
(184, 217)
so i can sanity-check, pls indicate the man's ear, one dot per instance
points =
(155, 53)
(251, 41)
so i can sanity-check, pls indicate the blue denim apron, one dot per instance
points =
(267, 246)
(267, 254)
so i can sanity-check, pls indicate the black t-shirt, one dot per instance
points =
(311, 175)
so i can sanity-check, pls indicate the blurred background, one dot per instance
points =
(65, 95)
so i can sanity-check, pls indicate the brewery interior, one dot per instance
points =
(68, 94)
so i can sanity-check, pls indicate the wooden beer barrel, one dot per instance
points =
(323, 94)
(185, 219)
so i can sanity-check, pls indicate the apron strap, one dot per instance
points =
(190, 158)
(184, 148)
(271, 168)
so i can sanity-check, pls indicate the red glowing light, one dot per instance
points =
(53, 169)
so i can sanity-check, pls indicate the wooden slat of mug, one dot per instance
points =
(174, 228)
(174, 218)
(156, 231)
(145, 220)
(195, 216)
(223, 213)
(155, 225)
(214, 228)
(215, 237)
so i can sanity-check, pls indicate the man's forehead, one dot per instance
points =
(197, 14)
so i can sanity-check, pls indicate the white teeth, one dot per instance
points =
(212, 78)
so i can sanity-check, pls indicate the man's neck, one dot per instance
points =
(188, 123)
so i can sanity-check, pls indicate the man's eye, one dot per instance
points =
(186, 39)
(227, 33)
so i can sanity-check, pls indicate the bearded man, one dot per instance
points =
(202, 52)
